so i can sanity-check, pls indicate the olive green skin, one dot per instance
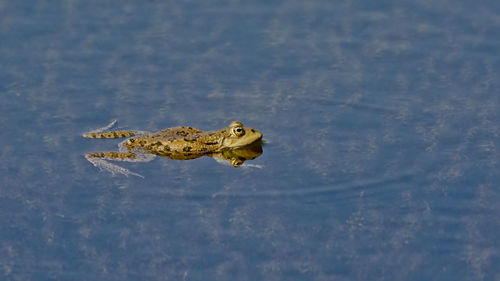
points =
(184, 143)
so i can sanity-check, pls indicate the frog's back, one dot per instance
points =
(171, 134)
(179, 143)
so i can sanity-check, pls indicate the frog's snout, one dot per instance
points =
(257, 134)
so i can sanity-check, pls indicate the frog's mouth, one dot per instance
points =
(255, 139)
(249, 139)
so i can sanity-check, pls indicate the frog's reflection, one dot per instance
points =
(236, 157)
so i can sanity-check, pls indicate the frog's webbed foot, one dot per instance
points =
(110, 167)
(252, 166)
(101, 134)
(100, 130)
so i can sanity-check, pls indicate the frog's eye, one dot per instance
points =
(238, 131)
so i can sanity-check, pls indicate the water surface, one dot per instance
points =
(381, 121)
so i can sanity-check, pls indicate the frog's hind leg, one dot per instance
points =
(98, 159)
(101, 134)
(110, 135)
(117, 156)
(121, 156)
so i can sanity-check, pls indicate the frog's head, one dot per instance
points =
(238, 136)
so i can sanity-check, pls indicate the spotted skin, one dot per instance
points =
(180, 143)
(110, 135)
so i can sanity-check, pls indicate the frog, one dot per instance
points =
(234, 144)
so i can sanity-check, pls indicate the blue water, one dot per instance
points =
(381, 121)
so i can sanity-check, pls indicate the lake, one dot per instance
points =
(381, 121)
